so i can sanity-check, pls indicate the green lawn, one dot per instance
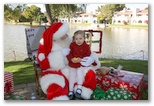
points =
(23, 72)
(140, 66)
(129, 26)
(87, 24)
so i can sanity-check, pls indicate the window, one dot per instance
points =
(139, 21)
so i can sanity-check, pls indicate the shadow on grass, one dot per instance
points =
(24, 75)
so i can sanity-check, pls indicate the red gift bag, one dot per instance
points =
(8, 83)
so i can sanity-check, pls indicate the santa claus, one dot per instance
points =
(52, 51)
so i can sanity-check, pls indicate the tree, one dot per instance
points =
(13, 11)
(106, 11)
(62, 10)
(69, 10)
(32, 13)
(82, 7)
(146, 8)
(7, 12)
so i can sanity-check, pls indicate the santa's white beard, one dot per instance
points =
(63, 43)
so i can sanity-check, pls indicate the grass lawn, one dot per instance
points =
(23, 72)
(87, 24)
(130, 26)
(140, 66)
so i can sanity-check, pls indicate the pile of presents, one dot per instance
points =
(117, 84)
(9, 88)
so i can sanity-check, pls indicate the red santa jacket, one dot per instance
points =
(78, 51)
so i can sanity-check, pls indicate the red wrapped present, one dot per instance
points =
(103, 82)
(8, 83)
(133, 82)
(126, 80)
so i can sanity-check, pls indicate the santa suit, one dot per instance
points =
(53, 62)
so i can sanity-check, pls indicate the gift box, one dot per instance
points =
(8, 82)
(130, 81)
(14, 97)
(103, 82)
(98, 94)
(118, 94)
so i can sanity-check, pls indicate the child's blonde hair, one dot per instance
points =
(81, 32)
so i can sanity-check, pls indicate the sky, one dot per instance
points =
(93, 7)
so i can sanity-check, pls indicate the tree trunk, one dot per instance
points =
(49, 16)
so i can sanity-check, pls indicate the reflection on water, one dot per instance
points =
(123, 43)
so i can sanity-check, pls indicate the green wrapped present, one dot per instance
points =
(98, 94)
(14, 97)
(118, 94)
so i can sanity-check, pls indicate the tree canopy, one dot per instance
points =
(62, 10)
(13, 12)
(106, 11)
(32, 12)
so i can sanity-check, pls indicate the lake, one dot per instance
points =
(117, 42)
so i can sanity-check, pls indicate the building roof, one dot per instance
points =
(143, 12)
(124, 12)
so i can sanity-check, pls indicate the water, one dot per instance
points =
(120, 43)
(14, 42)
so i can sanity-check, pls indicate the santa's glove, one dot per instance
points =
(65, 51)
(87, 61)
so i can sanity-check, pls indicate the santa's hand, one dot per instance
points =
(41, 56)
(65, 51)
(87, 61)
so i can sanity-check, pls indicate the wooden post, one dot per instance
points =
(14, 55)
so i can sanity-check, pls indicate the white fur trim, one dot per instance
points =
(86, 92)
(56, 60)
(61, 98)
(49, 79)
(95, 57)
(55, 46)
(61, 31)
(42, 41)
(41, 56)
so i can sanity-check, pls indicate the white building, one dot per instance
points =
(81, 18)
(135, 17)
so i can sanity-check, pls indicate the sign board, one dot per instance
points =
(33, 36)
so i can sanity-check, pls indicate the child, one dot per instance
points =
(78, 50)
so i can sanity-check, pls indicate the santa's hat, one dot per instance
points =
(54, 32)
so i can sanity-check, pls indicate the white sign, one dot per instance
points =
(33, 36)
